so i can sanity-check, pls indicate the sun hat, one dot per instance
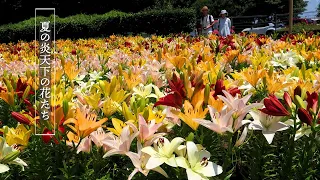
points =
(223, 12)
(205, 8)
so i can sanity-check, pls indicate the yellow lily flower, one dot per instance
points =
(191, 113)
(158, 116)
(177, 61)
(118, 125)
(276, 84)
(93, 100)
(56, 75)
(259, 59)
(132, 79)
(8, 97)
(17, 136)
(84, 123)
(252, 76)
(215, 103)
(71, 70)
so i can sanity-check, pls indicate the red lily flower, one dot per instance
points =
(261, 40)
(274, 107)
(304, 116)
(21, 87)
(312, 100)
(48, 135)
(176, 85)
(176, 94)
(219, 87)
(174, 100)
(234, 91)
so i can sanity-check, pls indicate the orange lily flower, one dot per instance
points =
(84, 123)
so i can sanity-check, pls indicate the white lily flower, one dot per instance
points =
(269, 125)
(144, 91)
(95, 76)
(9, 155)
(287, 59)
(162, 152)
(79, 78)
(197, 164)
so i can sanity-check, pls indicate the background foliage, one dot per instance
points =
(18, 10)
(84, 26)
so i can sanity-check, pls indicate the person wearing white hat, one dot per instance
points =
(224, 24)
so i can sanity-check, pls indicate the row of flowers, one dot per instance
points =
(133, 96)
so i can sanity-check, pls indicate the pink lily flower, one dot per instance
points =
(239, 107)
(147, 131)
(85, 145)
(172, 117)
(121, 144)
(221, 122)
(98, 136)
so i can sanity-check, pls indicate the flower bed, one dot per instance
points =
(177, 107)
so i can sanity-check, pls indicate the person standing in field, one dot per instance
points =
(206, 22)
(224, 24)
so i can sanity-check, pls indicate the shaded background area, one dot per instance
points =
(12, 11)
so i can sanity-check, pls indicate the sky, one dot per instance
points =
(311, 8)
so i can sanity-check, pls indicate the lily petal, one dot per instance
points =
(268, 135)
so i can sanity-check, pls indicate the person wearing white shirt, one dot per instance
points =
(206, 22)
(224, 24)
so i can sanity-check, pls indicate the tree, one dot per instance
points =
(318, 10)
(251, 7)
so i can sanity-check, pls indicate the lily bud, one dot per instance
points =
(287, 99)
(297, 91)
(10, 157)
(65, 106)
(210, 78)
(270, 72)
(159, 55)
(28, 73)
(8, 84)
(120, 70)
(299, 102)
(26, 92)
(20, 118)
(146, 114)
(303, 71)
(220, 75)
(190, 137)
(264, 81)
(312, 100)
(102, 85)
(142, 103)
(206, 93)
(113, 84)
(304, 116)
(63, 61)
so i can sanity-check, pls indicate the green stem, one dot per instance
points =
(227, 162)
(288, 166)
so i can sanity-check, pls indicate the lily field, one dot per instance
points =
(175, 107)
